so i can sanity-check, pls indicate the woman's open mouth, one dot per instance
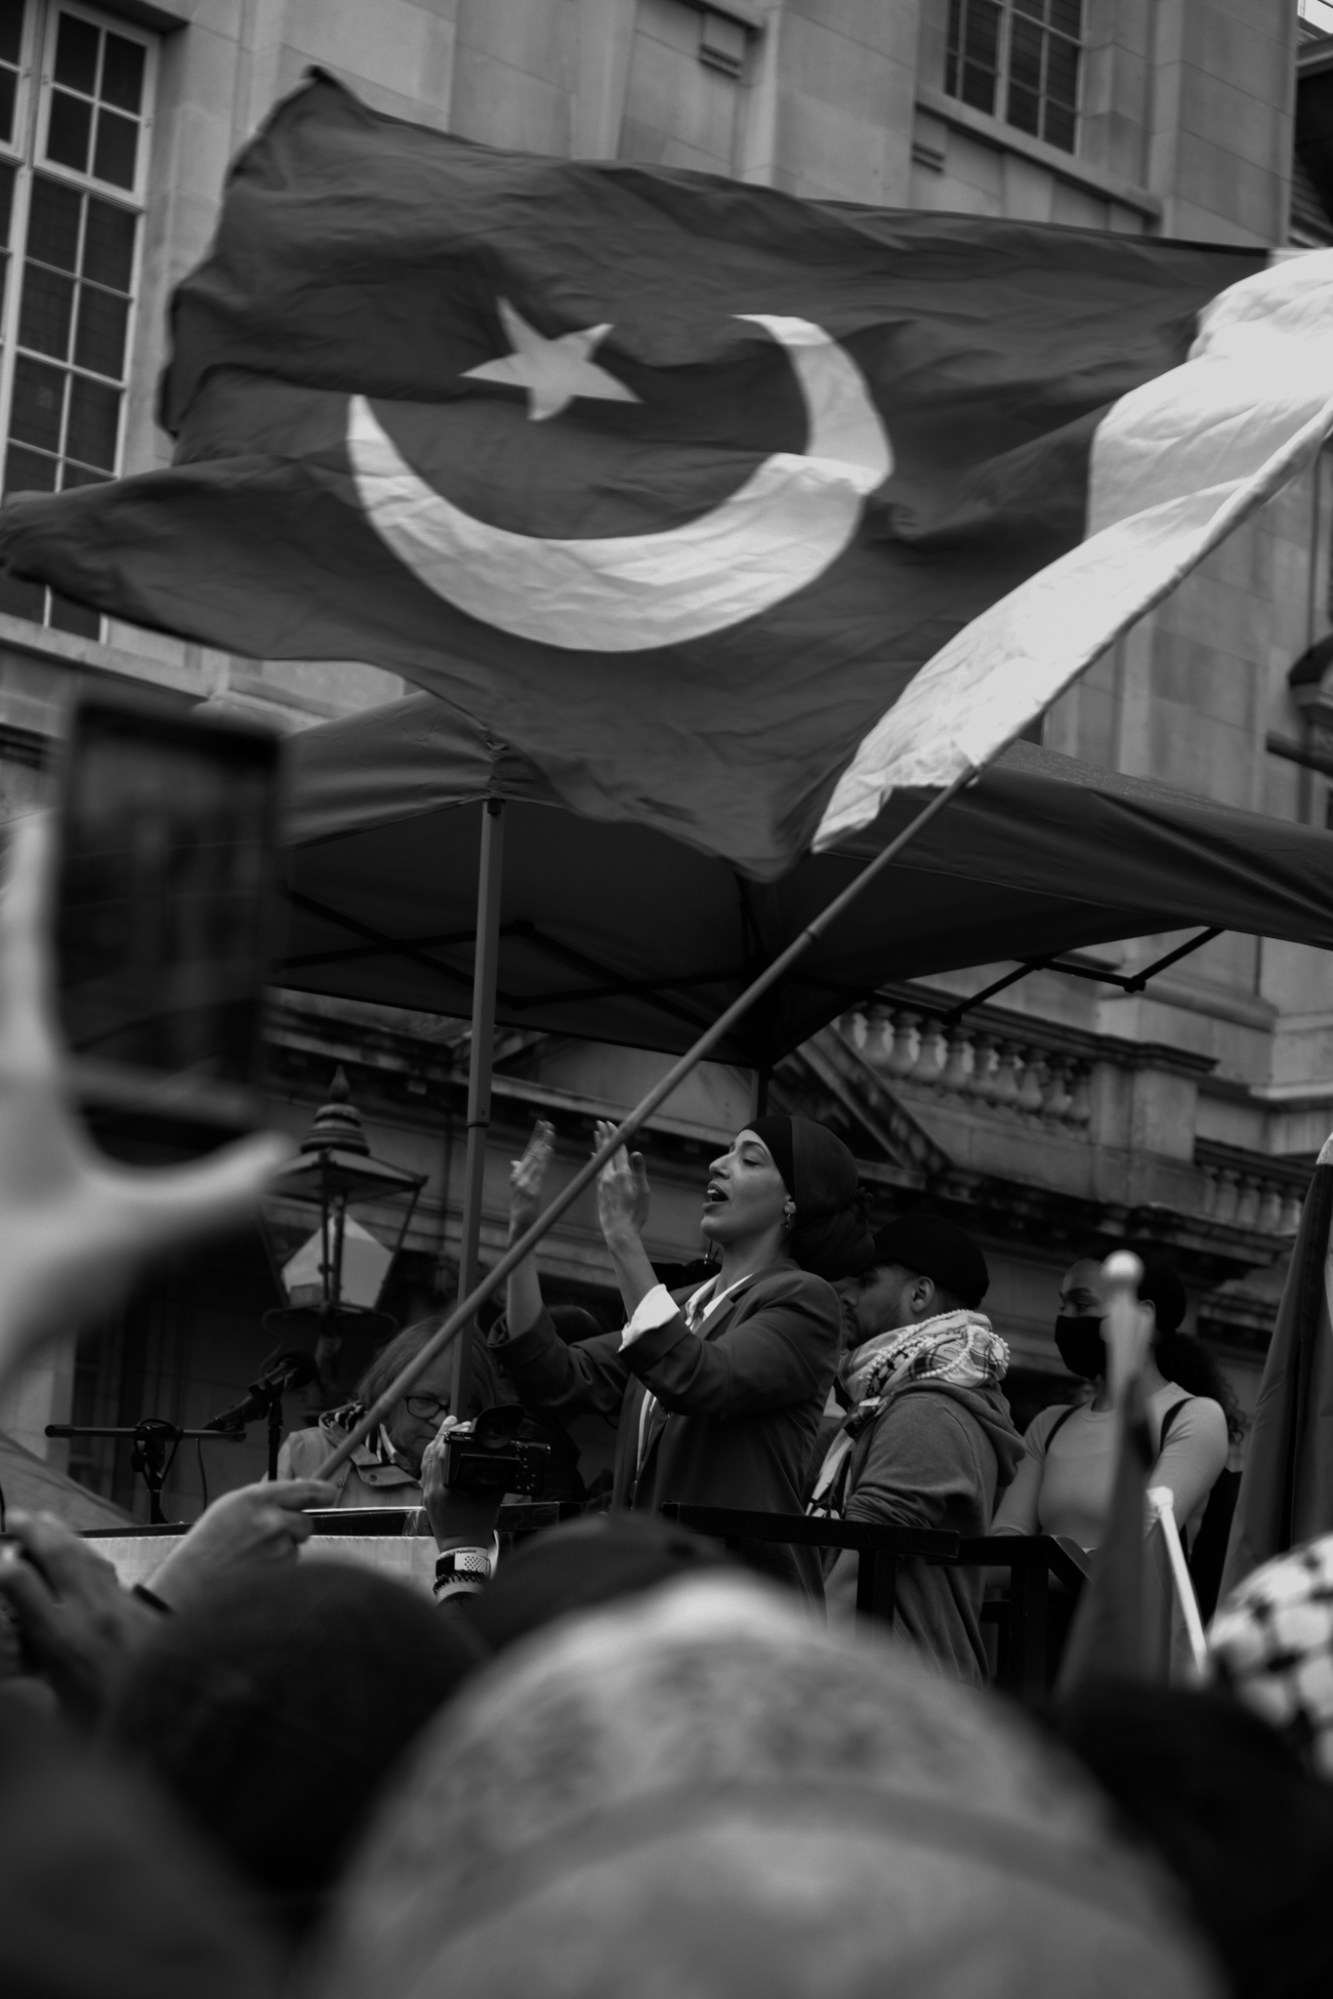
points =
(714, 1195)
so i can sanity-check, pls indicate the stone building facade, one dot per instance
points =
(1064, 1115)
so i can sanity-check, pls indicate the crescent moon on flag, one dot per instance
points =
(770, 538)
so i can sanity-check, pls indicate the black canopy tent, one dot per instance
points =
(429, 866)
(611, 932)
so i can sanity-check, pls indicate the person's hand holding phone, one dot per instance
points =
(75, 1228)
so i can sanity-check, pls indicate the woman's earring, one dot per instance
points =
(789, 1215)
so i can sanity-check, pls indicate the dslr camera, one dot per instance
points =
(487, 1455)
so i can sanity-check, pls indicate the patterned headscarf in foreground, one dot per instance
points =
(703, 1792)
(1271, 1643)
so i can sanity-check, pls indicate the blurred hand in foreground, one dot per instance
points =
(75, 1621)
(262, 1523)
(75, 1228)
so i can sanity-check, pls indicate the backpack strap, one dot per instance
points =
(1059, 1423)
(1168, 1419)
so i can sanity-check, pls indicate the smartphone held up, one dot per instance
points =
(164, 921)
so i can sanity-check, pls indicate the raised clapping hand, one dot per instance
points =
(623, 1193)
(76, 1228)
(527, 1177)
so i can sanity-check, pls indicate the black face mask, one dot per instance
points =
(1080, 1346)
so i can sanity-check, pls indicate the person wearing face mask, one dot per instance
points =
(716, 1389)
(927, 1438)
(1063, 1485)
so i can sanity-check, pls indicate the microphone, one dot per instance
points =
(285, 1371)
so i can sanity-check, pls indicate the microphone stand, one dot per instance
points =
(267, 1392)
(148, 1452)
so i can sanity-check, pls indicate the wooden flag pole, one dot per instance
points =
(490, 884)
(468, 1306)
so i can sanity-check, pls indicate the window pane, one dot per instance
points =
(11, 30)
(100, 343)
(978, 87)
(983, 33)
(67, 616)
(46, 311)
(116, 150)
(1067, 16)
(68, 133)
(1024, 108)
(8, 92)
(76, 54)
(122, 73)
(79, 475)
(53, 224)
(1062, 72)
(21, 600)
(1036, 9)
(6, 201)
(952, 46)
(39, 398)
(1058, 126)
(108, 245)
(94, 411)
(1025, 56)
(29, 472)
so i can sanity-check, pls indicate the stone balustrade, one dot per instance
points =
(1020, 1070)
(1249, 1192)
(1046, 1102)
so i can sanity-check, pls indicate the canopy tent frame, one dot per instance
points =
(1034, 833)
(1125, 982)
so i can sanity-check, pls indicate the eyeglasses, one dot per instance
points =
(430, 1408)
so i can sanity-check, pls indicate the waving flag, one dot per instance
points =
(681, 482)
(1286, 1488)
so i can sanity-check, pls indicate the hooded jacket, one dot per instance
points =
(935, 1456)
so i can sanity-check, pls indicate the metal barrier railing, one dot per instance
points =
(1034, 1562)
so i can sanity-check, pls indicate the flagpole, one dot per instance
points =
(472, 1301)
(490, 881)
(1162, 1501)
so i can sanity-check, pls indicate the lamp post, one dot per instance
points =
(334, 1281)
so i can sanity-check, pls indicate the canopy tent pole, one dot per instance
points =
(490, 882)
(470, 1302)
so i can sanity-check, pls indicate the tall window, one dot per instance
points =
(1018, 60)
(75, 104)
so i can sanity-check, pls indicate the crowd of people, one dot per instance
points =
(618, 1756)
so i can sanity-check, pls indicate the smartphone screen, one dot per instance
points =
(163, 927)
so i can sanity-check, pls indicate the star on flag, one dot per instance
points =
(552, 371)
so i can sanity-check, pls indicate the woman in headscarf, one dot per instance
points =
(718, 1391)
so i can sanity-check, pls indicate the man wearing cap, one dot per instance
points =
(927, 1440)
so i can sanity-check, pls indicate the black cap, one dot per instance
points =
(932, 1246)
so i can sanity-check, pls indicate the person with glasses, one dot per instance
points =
(386, 1469)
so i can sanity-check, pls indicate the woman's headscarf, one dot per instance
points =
(831, 1235)
(701, 1791)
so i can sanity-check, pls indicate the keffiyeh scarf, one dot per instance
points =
(960, 1348)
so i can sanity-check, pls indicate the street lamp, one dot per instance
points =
(334, 1280)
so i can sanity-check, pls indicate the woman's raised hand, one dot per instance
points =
(623, 1193)
(527, 1177)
